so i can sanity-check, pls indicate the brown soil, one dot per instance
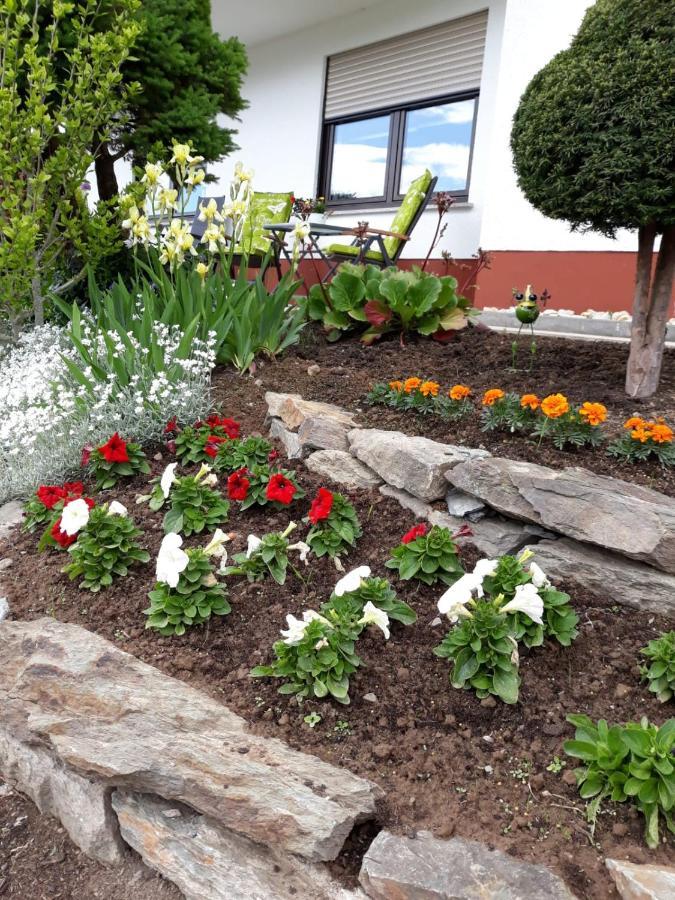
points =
(481, 359)
(446, 761)
(38, 860)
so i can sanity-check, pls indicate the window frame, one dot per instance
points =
(394, 161)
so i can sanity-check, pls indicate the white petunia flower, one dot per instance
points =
(453, 602)
(527, 601)
(75, 516)
(351, 581)
(539, 577)
(484, 568)
(117, 509)
(303, 549)
(171, 560)
(216, 546)
(252, 545)
(168, 478)
(373, 615)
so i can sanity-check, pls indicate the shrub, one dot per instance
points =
(430, 556)
(116, 459)
(187, 592)
(105, 548)
(643, 439)
(334, 524)
(195, 506)
(626, 762)
(388, 300)
(661, 670)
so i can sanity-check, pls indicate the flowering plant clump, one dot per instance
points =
(187, 592)
(202, 441)
(565, 424)
(428, 555)
(643, 439)
(362, 590)
(116, 459)
(267, 555)
(67, 523)
(660, 673)
(423, 396)
(48, 500)
(242, 454)
(508, 412)
(105, 548)
(195, 506)
(631, 762)
(334, 524)
(268, 486)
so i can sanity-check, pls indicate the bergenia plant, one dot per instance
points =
(361, 588)
(106, 547)
(202, 441)
(660, 673)
(65, 527)
(116, 459)
(483, 648)
(187, 591)
(267, 556)
(279, 488)
(334, 524)
(48, 501)
(194, 504)
(242, 454)
(643, 439)
(566, 424)
(430, 555)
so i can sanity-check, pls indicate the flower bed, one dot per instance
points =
(406, 727)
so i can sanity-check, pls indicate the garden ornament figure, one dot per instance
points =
(527, 312)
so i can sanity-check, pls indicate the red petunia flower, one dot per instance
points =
(61, 538)
(321, 506)
(115, 451)
(198, 424)
(212, 443)
(73, 489)
(86, 456)
(273, 456)
(232, 428)
(171, 426)
(50, 494)
(415, 532)
(238, 485)
(279, 488)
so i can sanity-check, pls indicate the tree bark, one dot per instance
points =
(38, 301)
(651, 305)
(104, 165)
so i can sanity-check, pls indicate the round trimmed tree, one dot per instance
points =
(593, 143)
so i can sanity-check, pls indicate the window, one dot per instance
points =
(395, 108)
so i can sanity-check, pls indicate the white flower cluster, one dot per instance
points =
(47, 417)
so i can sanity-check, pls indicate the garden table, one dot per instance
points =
(310, 248)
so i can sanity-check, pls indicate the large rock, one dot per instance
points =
(627, 518)
(491, 537)
(106, 715)
(293, 410)
(209, 862)
(608, 575)
(11, 514)
(340, 467)
(426, 868)
(82, 805)
(416, 506)
(414, 464)
(304, 425)
(291, 442)
(635, 882)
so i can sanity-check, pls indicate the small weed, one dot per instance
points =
(342, 729)
(556, 765)
(312, 719)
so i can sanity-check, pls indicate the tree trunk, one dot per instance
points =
(38, 301)
(651, 305)
(104, 165)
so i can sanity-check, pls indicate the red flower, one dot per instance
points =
(50, 494)
(171, 446)
(115, 451)
(279, 488)
(464, 531)
(211, 445)
(415, 532)
(61, 538)
(198, 424)
(86, 456)
(273, 456)
(321, 506)
(171, 426)
(238, 485)
(73, 489)
(229, 426)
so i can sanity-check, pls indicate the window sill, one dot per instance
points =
(370, 210)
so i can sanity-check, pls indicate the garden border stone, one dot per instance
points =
(642, 882)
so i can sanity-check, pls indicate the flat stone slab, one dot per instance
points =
(293, 410)
(11, 514)
(106, 715)
(210, 862)
(413, 464)
(626, 518)
(82, 805)
(626, 581)
(635, 882)
(290, 440)
(322, 432)
(340, 467)
(427, 868)
(492, 537)
(463, 505)
(416, 506)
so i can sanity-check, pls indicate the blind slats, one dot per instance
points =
(443, 59)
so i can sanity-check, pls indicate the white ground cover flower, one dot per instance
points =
(47, 416)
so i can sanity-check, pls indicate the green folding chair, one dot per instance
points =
(383, 247)
(255, 243)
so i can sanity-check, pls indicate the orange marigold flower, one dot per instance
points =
(459, 392)
(554, 406)
(429, 389)
(411, 384)
(634, 422)
(491, 396)
(641, 434)
(396, 385)
(594, 413)
(662, 433)
(530, 401)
